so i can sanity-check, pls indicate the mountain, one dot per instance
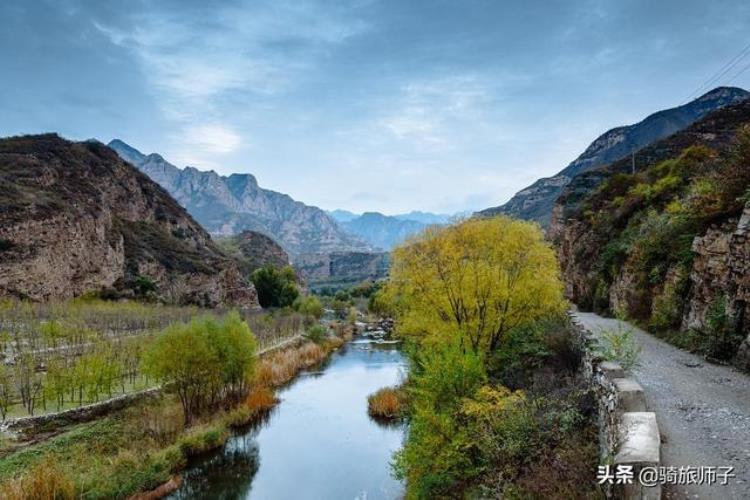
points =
(342, 215)
(669, 244)
(75, 218)
(426, 217)
(227, 205)
(382, 231)
(536, 201)
(253, 250)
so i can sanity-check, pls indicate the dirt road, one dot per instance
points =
(703, 411)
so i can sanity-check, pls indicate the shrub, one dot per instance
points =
(316, 333)
(144, 286)
(722, 339)
(620, 345)
(310, 306)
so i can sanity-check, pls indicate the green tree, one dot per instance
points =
(275, 287)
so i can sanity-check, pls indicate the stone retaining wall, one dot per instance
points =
(628, 433)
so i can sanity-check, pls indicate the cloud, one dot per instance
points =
(211, 138)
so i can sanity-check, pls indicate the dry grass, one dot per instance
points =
(260, 399)
(44, 481)
(280, 367)
(386, 403)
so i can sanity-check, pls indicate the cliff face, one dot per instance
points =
(536, 202)
(229, 205)
(667, 245)
(75, 218)
(721, 268)
(342, 268)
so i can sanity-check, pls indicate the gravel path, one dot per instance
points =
(703, 411)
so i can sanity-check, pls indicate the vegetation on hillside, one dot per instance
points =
(645, 224)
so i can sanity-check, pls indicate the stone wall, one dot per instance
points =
(628, 433)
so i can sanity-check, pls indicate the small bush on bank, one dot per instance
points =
(316, 333)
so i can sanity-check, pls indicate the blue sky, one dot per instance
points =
(389, 105)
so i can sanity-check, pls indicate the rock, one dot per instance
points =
(75, 218)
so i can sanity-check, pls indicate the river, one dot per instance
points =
(318, 443)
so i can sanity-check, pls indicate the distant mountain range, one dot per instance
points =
(229, 205)
(387, 231)
(536, 201)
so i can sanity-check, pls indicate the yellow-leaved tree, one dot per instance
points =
(475, 279)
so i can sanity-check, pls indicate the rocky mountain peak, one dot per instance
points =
(228, 205)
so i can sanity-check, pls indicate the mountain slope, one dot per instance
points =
(230, 205)
(382, 231)
(253, 250)
(536, 201)
(75, 218)
(668, 245)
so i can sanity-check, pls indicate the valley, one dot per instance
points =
(276, 250)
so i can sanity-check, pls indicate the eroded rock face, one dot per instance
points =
(342, 268)
(75, 218)
(721, 268)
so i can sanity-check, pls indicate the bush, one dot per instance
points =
(620, 346)
(317, 333)
(275, 287)
(722, 339)
(310, 306)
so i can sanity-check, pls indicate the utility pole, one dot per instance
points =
(632, 158)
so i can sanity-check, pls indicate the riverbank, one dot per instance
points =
(142, 447)
(319, 442)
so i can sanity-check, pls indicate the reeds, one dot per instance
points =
(386, 403)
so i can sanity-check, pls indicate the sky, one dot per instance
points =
(364, 105)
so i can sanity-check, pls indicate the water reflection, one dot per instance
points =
(319, 443)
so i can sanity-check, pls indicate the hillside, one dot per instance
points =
(228, 205)
(253, 250)
(668, 245)
(536, 201)
(75, 218)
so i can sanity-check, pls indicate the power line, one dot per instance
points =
(738, 74)
(726, 68)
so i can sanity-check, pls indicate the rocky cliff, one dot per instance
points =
(340, 269)
(667, 245)
(537, 201)
(230, 205)
(75, 218)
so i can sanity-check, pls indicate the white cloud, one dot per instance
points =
(211, 138)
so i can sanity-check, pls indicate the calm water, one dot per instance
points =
(318, 443)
